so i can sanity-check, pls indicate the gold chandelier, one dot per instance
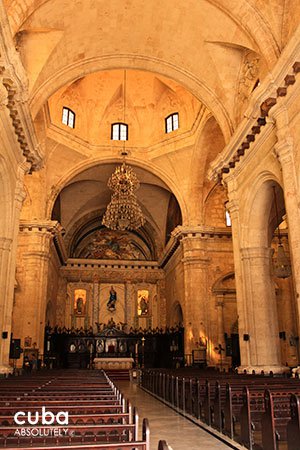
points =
(123, 212)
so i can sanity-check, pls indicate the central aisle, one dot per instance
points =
(180, 433)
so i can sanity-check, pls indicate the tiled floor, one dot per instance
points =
(180, 433)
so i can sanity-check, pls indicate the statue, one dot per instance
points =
(79, 305)
(144, 306)
(111, 304)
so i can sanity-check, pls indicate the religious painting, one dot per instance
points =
(143, 302)
(80, 302)
(27, 341)
(111, 244)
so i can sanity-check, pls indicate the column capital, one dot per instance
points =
(51, 227)
(20, 193)
(256, 253)
(284, 149)
(233, 206)
(220, 300)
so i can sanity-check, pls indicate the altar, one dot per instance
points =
(113, 363)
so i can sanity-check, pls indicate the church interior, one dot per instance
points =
(150, 187)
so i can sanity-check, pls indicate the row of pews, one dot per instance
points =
(256, 411)
(71, 410)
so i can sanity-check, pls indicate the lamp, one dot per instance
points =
(123, 212)
(281, 263)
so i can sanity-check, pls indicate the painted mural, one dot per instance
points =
(108, 244)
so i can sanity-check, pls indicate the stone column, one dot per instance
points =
(33, 263)
(284, 149)
(261, 310)
(241, 288)
(6, 303)
(8, 246)
(195, 266)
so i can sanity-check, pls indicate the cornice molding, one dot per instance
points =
(257, 115)
(40, 226)
(198, 232)
(14, 79)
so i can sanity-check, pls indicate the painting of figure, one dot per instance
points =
(80, 302)
(110, 244)
(143, 303)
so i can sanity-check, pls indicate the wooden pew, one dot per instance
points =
(144, 444)
(232, 408)
(293, 427)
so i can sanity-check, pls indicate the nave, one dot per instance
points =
(101, 415)
(167, 424)
(159, 410)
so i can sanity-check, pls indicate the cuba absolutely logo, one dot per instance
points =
(52, 424)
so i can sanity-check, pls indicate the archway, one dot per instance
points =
(261, 333)
(176, 317)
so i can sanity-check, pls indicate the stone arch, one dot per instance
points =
(50, 314)
(90, 221)
(194, 85)
(257, 233)
(131, 161)
(209, 143)
(176, 316)
(224, 284)
(247, 17)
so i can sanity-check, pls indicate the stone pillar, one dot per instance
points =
(8, 247)
(284, 150)
(195, 266)
(33, 263)
(261, 311)
(5, 305)
(241, 288)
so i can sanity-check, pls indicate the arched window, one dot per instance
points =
(172, 122)
(227, 218)
(68, 117)
(119, 132)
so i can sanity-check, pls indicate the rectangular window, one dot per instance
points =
(68, 117)
(172, 122)
(119, 132)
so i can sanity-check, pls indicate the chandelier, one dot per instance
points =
(281, 263)
(123, 212)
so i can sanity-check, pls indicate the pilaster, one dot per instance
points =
(195, 266)
(33, 264)
(8, 246)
